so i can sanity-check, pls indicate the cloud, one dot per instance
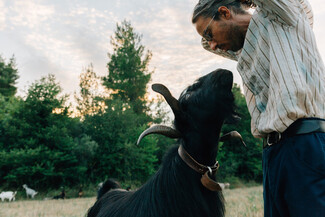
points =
(3, 13)
(30, 14)
(65, 58)
(66, 42)
(93, 15)
(52, 48)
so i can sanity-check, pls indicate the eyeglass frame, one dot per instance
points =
(204, 35)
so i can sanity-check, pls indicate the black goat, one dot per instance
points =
(182, 187)
(106, 186)
(60, 196)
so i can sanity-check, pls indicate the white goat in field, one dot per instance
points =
(10, 195)
(224, 185)
(29, 192)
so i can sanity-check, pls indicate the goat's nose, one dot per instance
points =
(213, 45)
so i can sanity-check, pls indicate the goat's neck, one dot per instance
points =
(204, 150)
(201, 142)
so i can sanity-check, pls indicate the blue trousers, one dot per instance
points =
(294, 177)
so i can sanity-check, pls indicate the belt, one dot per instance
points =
(300, 126)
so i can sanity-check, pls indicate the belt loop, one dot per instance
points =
(271, 138)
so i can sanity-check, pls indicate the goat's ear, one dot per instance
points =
(172, 101)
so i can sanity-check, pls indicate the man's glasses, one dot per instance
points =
(209, 36)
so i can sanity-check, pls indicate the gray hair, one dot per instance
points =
(209, 8)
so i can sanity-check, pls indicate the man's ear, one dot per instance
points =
(224, 12)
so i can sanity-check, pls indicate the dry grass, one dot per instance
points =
(46, 208)
(243, 202)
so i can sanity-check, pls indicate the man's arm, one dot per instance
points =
(283, 11)
(309, 12)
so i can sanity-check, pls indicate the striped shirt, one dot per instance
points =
(282, 71)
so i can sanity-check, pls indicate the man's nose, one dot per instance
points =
(213, 45)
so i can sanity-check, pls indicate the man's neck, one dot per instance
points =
(242, 20)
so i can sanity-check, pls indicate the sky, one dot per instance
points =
(63, 37)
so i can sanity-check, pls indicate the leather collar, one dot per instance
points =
(191, 162)
(206, 171)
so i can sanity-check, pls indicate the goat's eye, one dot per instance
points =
(187, 96)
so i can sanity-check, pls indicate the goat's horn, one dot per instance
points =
(162, 130)
(230, 135)
(163, 90)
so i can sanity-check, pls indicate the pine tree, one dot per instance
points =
(128, 68)
(8, 77)
(89, 101)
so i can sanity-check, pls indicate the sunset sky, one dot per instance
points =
(63, 37)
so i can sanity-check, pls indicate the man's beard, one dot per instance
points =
(238, 38)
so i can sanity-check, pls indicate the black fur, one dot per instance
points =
(175, 190)
(107, 186)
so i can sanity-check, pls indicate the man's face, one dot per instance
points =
(225, 33)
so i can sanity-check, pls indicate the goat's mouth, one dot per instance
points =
(223, 79)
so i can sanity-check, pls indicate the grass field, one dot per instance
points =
(241, 202)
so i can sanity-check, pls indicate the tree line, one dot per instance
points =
(46, 141)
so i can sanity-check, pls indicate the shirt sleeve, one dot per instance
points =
(283, 11)
(308, 11)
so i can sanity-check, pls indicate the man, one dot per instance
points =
(284, 84)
